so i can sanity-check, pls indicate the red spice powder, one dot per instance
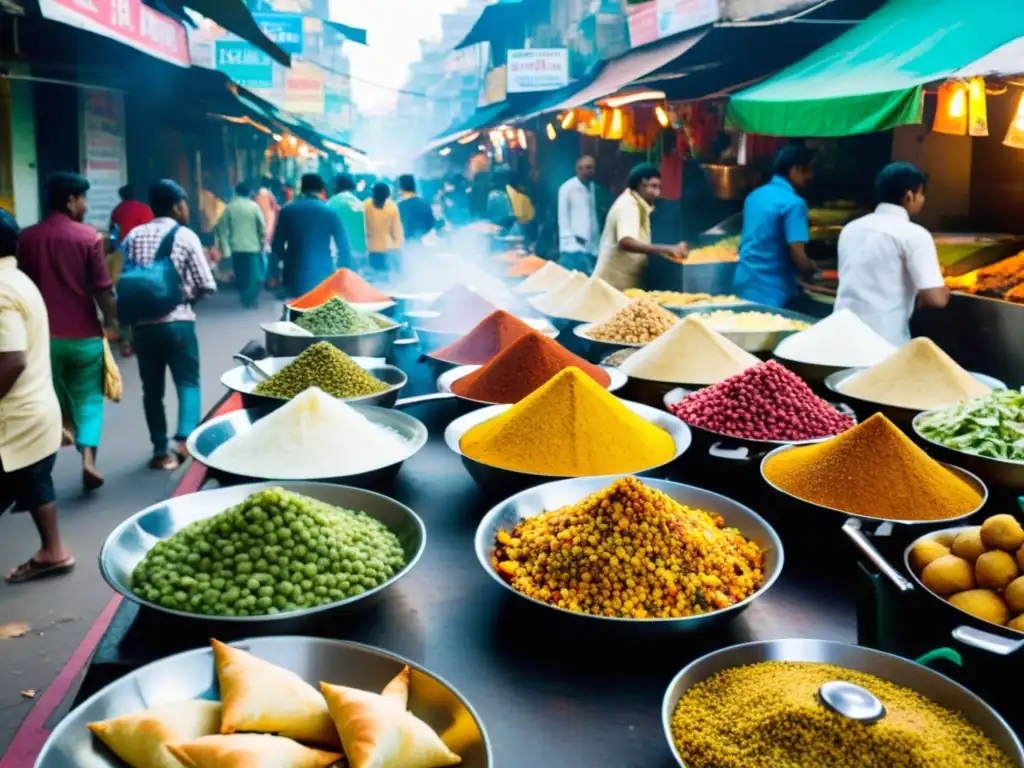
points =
(460, 309)
(495, 333)
(527, 266)
(519, 370)
(344, 284)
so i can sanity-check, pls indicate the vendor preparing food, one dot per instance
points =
(887, 264)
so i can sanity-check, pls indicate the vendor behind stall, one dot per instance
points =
(887, 264)
(773, 244)
(626, 242)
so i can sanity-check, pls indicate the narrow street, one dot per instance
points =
(61, 610)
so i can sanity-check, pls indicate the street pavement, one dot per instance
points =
(61, 610)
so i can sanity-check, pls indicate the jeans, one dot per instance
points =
(579, 260)
(175, 346)
(248, 277)
(77, 366)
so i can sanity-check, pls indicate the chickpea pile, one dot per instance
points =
(639, 322)
(629, 551)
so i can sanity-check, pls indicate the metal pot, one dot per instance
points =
(995, 472)
(894, 669)
(753, 341)
(599, 349)
(371, 344)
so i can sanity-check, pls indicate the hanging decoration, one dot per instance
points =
(550, 130)
(951, 109)
(662, 116)
(569, 120)
(977, 107)
(1015, 133)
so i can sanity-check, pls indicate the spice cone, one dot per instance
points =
(570, 427)
(593, 302)
(544, 279)
(523, 367)
(527, 266)
(549, 302)
(459, 308)
(495, 333)
(690, 352)
(344, 284)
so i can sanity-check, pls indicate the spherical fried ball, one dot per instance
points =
(968, 544)
(947, 575)
(925, 552)
(1002, 532)
(1014, 595)
(983, 604)
(1017, 623)
(945, 538)
(995, 569)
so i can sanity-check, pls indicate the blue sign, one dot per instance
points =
(283, 29)
(247, 66)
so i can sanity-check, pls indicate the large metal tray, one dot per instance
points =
(191, 675)
(370, 344)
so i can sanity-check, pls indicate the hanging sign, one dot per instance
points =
(246, 65)
(642, 19)
(103, 152)
(304, 89)
(283, 29)
(537, 69)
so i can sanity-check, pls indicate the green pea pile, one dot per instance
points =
(275, 552)
(325, 366)
(337, 317)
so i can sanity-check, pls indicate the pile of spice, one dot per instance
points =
(726, 320)
(629, 551)
(459, 309)
(765, 402)
(689, 353)
(991, 426)
(873, 470)
(547, 277)
(592, 302)
(337, 317)
(325, 366)
(561, 293)
(495, 333)
(842, 340)
(570, 427)
(769, 715)
(527, 266)
(639, 322)
(679, 299)
(314, 435)
(525, 366)
(919, 375)
(343, 284)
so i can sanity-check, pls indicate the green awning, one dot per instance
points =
(872, 77)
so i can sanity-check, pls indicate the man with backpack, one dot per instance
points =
(166, 272)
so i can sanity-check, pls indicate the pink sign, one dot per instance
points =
(643, 23)
(127, 21)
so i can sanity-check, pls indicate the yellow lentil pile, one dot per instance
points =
(639, 322)
(629, 551)
(769, 715)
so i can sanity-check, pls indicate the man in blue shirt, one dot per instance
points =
(773, 245)
(302, 239)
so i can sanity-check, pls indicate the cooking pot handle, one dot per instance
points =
(853, 531)
(986, 641)
(740, 453)
(406, 402)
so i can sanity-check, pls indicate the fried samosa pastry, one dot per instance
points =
(141, 739)
(251, 750)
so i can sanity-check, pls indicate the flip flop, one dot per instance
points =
(33, 569)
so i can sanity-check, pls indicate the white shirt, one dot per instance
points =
(630, 216)
(577, 217)
(884, 260)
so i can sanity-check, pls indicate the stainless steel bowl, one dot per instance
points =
(499, 478)
(898, 415)
(963, 474)
(432, 340)
(129, 542)
(191, 675)
(544, 498)
(449, 377)
(371, 344)
(894, 669)
(242, 381)
(754, 341)
(383, 307)
(599, 349)
(213, 433)
(994, 472)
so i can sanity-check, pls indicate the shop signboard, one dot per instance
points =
(304, 89)
(246, 65)
(103, 152)
(537, 69)
(642, 19)
(283, 29)
(675, 16)
(495, 87)
(130, 22)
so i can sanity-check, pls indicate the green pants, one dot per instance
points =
(78, 379)
(248, 276)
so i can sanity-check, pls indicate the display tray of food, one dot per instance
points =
(272, 702)
(360, 334)
(1002, 280)
(638, 323)
(679, 300)
(753, 327)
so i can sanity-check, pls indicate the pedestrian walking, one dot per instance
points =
(416, 214)
(241, 233)
(578, 233)
(29, 412)
(170, 341)
(384, 233)
(66, 260)
(353, 217)
(129, 213)
(268, 204)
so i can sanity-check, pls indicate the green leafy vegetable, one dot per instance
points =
(991, 426)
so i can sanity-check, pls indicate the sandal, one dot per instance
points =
(33, 569)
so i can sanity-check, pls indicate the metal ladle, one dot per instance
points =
(252, 365)
(851, 701)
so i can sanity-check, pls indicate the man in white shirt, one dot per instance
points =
(887, 264)
(577, 219)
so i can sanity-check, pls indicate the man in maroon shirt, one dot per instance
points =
(129, 213)
(66, 260)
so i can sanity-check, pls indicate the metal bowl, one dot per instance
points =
(550, 496)
(598, 349)
(370, 344)
(129, 542)
(213, 433)
(439, 365)
(898, 415)
(242, 381)
(191, 675)
(963, 474)
(499, 478)
(432, 340)
(754, 341)
(383, 307)
(994, 472)
(446, 379)
(894, 669)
